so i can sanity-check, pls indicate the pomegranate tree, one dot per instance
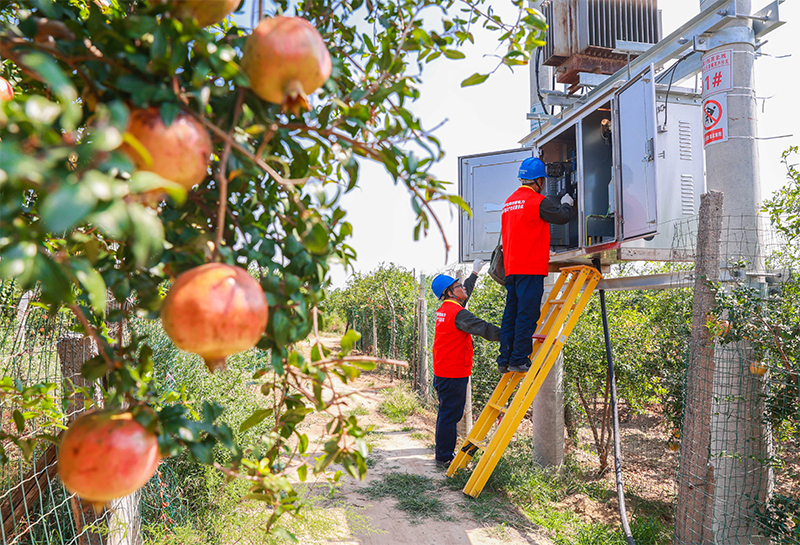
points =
(180, 153)
(286, 59)
(215, 310)
(206, 12)
(6, 90)
(106, 455)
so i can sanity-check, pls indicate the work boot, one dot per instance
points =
(444, 464)
(520, 368)
(502, 369)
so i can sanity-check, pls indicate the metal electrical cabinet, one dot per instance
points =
(633, 158)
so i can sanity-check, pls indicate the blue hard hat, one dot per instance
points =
(441, 283)
(532, 168)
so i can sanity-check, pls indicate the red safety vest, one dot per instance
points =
(452, 348)
(526, 236)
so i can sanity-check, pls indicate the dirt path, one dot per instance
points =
(406, 449)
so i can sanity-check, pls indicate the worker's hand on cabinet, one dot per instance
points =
(477, 265)
(567, 199)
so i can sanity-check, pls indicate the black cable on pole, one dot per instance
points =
(615, 418)
(536, 76)
(671, 70)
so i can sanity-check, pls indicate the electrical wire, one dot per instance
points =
(615, 417)
(536, 76)
(671, 77)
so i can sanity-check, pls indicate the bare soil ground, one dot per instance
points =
(648, 471)
(408, 448)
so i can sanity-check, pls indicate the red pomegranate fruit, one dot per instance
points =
(286, 59)
(180, 153)
(106, 455)
(215, 310)
(6, 90)
(207, 12)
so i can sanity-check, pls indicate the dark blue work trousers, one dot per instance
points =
(523, 303)
(452, 393)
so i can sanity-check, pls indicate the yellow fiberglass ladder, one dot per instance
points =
(560, 313)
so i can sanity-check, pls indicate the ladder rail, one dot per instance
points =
(530, 387)
(503, 391)
(558, 322)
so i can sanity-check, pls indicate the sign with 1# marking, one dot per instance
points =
(717, 72)
(715, 119)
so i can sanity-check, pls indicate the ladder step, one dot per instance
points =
(524, 386)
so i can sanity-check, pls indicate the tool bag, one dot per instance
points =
(497, 269)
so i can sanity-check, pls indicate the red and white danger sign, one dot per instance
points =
(715, 119)
(717, 72)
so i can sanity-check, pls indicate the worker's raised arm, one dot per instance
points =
(469, 323)
(552, 213)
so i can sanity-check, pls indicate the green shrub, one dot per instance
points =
(399, 403)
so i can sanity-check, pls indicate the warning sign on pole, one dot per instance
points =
(717, 72)
(715, 119)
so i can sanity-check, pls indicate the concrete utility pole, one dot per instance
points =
(740, 438)
(548, 407)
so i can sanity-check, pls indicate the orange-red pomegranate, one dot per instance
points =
(6, 90)
(215, 310)
(180, 153)
(106, 455)
(286, 59)
(207, 12)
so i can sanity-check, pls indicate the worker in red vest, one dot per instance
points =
(526, 219)
(452, 355)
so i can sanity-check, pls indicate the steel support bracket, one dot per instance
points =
(542, 117)
(557, 98)
(725, 36)
(764, 21)
(587, 79)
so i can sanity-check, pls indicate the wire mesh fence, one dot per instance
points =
(709, 395)
(739, 481)
(39, 348)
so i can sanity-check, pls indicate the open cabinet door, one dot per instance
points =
(636, 127)
(485, 181)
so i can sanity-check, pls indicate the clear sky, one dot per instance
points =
(492, 117)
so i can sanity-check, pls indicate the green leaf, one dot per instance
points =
(294, 416)
(92, 281)
(169, 111)
(302, 473)
(114, 221)
(18, 262)
(283, 533)
(42, 111)
(143, 180)
(94, 368)
(348, 340)
(254, 419)
(148, 242)
(453, 54)
(19, 420)
(474, 79)
(64, 209)
(211, 411)
(202, 452)
(27, 446)
(46, 67)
